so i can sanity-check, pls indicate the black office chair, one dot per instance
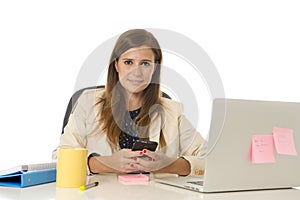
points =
(75, 97)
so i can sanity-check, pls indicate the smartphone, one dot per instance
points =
(143, 144)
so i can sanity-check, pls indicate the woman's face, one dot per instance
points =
(135, 68)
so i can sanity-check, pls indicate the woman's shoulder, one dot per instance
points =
(91, 94)
(91, 97)
(171, 105)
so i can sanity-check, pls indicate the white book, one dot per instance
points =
(29, 167)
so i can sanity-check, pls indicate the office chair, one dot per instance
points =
(75, 97)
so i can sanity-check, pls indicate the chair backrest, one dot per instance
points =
(75, 97)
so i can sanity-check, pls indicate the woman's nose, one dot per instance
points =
(137, 70)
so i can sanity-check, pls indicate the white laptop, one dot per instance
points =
(229, 165)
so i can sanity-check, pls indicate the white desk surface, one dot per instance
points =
(111, 189)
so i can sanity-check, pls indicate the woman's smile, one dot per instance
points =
(135, 81)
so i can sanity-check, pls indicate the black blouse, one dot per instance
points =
(128, 135)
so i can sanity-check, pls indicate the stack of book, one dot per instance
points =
(28, 175)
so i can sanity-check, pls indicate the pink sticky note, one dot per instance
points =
(262, 149)
(284, 141)
(135, 179)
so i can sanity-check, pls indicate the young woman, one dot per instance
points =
(108, 121)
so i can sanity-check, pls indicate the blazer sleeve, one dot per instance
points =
(192, 146)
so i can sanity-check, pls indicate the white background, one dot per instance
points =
(254, 45)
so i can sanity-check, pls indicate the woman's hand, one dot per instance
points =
(119, 162)
(152, 161)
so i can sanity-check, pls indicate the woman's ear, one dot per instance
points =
(116, 66)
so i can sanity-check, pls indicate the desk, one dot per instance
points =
(111, 189)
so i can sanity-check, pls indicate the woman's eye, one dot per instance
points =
(128, 62)
(145, 64)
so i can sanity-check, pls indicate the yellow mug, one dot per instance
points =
(71, 167)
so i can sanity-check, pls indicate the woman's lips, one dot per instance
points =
(135, 82)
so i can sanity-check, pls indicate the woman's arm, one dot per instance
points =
(194, 147)
(96, 166)
(180, 166)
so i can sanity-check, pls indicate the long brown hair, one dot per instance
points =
(113, 103)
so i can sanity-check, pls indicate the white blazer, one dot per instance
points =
(84, 131)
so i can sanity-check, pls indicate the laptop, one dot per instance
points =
(229, 162)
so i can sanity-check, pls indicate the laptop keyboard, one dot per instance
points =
(196, 182)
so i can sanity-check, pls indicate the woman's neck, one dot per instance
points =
(134, 101)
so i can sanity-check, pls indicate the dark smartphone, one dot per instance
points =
(143, 144)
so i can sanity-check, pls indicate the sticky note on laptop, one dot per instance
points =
(262, 149)
(284, 141)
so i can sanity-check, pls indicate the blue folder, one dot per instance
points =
(29, 178)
